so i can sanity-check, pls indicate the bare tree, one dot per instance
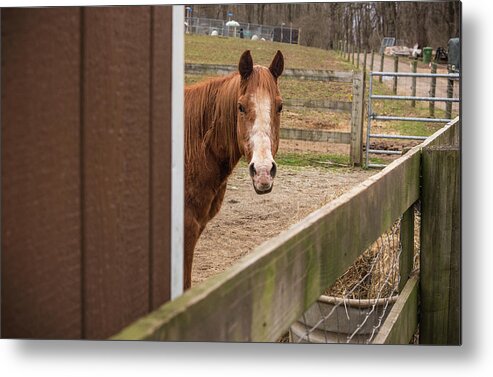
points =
(363, 23)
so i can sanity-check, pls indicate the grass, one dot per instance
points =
(218, 50)
(292, 88)
(327, 160)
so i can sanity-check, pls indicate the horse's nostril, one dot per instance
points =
(252, 170)
(273, 170)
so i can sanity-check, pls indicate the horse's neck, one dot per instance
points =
(215, 129)
(220, 138)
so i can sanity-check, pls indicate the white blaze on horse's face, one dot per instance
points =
(259, 108)
(262, 165)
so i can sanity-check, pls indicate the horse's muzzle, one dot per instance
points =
(261, 192)
(263, 177)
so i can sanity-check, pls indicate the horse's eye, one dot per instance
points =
(241, 108)
(279, 108)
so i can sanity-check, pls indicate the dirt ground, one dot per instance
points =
(246, 219)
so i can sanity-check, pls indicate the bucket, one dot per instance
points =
(348, 315)
(427, 52)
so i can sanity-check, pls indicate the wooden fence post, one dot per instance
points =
(450, 94)
(406, 258)
(364, 60)
(413, 82)
(433, 87)
(356, 147)
(440, 246)
(381, 67)
(372, 60)
(357, 56)
(396, 69)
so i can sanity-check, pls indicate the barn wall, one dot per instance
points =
(86, 168)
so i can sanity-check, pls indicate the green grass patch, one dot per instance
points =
(220, 50)
(300, 160)
(334, 91)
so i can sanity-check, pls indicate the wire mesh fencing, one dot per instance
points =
(210, 26)
(355, 307)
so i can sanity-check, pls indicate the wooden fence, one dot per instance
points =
(262, 295)
(86, 168)
(356, 107)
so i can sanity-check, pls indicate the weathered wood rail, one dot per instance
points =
(315, 135)
(356, 107)
(300, 74)
(262, 295)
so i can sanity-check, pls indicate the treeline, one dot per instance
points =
(364, 24)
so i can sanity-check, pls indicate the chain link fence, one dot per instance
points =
(210, 26)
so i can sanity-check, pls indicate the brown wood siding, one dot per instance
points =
(160, 142)
(41, 281)
(86, 169)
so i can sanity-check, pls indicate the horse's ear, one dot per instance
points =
(246, 65)
(277, 65)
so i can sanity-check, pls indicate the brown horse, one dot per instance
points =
(227, 118)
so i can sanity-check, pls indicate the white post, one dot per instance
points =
(177, 153)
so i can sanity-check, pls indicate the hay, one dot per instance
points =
(375, 274)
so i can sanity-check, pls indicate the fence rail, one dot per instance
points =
(300, 74)
(262, 295)
(315, 135)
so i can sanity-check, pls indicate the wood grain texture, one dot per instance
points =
(338, 106)
(261, 296)
(86, 169)
(116, 167)
(357, 114)
(440, 246)
(402, 321)
(406, 258)
(396, 69)
(433, 87)
(315, 135)
(41, 285)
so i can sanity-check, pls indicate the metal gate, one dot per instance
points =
(373, 116)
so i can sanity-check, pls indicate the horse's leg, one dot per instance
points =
(193, 230)
(192, 234)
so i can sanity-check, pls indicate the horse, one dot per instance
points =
(227, 118)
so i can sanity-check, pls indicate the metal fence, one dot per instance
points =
(434, 95)
(210, 26)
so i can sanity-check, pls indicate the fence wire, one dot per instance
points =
(355, 307)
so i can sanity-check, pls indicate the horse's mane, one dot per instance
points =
(211, 112)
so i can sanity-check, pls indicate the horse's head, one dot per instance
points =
(259, 117)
